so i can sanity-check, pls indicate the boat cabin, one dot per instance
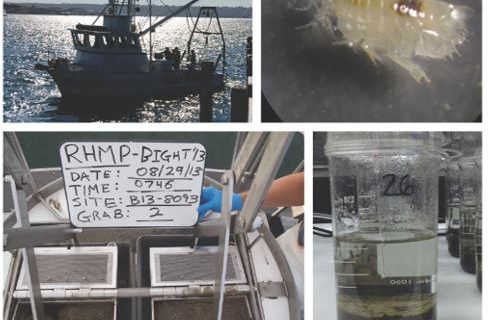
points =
(117, 34)
(91, 40)
(115, 37)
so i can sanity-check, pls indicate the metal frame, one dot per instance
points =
(152, 27)
(264, 163)
(223, 249)
(244, 247)
(260, 157)
(272, 158)
(16, 165)
(17, 238)
(252, 146)
(221, 33)
(130, 293)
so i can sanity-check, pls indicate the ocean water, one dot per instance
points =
(32, 96)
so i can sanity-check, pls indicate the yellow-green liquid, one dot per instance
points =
(364, 292)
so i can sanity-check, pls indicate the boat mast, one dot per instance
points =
(150, 32)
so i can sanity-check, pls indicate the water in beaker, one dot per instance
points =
(386, 276)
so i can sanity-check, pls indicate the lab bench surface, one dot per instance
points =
(457, 294)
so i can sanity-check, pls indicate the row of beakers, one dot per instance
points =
(463, 203)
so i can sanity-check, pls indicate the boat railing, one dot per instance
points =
(89, 27)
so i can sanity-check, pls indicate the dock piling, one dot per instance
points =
(240, 105)
(249, 65)
(206, 91)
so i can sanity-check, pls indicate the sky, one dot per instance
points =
(226, 3)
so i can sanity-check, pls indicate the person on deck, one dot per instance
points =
(177, 57)
(167, 54)
(193, 57)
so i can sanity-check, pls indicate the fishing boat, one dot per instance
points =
(55, 270)
(110, 60)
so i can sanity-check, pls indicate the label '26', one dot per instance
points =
(398, 186)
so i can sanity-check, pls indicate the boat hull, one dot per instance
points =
(80, 84)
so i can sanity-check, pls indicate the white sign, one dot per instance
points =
(133, 184)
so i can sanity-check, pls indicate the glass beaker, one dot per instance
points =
(453, 205)
(479, 250)
(470, 178)
(384, 191)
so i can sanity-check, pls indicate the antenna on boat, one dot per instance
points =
(169, 16)
(101, 13)
(150, 33)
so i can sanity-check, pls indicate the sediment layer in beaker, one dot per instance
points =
(406, 307)
(378, 314)
(453, 242)
(377, 279)
(468, 255)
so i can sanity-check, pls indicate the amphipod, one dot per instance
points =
(399, 29)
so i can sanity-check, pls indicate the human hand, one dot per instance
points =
(211, 199)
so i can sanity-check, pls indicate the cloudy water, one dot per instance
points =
(31, 95)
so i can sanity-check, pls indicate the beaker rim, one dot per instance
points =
(396, 146)
(341, 143)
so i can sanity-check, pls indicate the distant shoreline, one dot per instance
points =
(94, 15)
(80, 9)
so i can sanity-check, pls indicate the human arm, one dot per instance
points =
(284, 192)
